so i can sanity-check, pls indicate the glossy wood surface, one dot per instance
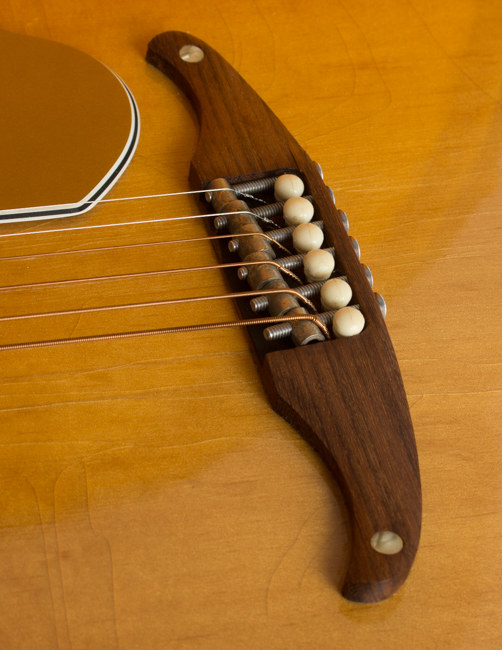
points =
(150, 497)
(346, 398)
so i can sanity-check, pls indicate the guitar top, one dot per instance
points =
(232, 488)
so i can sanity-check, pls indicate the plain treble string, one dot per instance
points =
(148, 221)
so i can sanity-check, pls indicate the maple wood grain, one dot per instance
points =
(150, 496)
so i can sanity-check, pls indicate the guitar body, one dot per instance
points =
(150, 496)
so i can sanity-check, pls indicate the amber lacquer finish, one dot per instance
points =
(150, 496)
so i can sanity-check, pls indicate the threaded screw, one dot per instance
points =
(260, 303)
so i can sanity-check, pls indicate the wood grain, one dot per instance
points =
(345, 397)
(150, 496)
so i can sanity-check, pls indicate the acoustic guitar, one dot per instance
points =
(151, 497)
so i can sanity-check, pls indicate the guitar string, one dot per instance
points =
(123, 276)
(57, 206)
(144, 244)
(164, 242)
(136, 223)
(171, 330)
(163, 272)
(82, 251)
(158, 303)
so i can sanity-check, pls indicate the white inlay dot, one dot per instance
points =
(386, 542)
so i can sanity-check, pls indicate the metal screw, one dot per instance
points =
(290, 263)
(319, 169)
(345, 220)
(381, 303)
(280, 235)
(267, 211)
(233, 245)
(220, 222)
(355, 245)
(307, 290)
(369, 274)
(255, 187)
(276, 332)
(259, 304)
(191, 53)
(283, 330)
(295, 261)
